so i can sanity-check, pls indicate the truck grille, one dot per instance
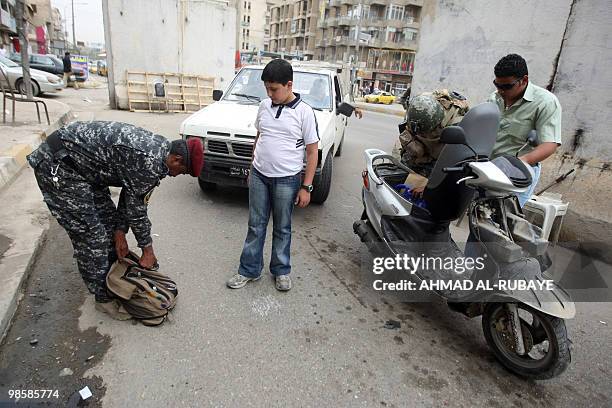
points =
(242, 150)
(217, 146)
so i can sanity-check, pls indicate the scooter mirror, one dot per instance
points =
(453, 135)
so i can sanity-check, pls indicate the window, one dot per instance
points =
(395, 12)
(410, 34)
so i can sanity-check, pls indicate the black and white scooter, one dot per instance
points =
(524, 325)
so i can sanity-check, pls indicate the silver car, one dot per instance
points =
(41, 81)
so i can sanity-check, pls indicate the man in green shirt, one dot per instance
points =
(523, 107)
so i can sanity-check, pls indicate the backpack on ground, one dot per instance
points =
(145, 294)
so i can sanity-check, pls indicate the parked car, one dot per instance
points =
(380, 97)
(93, 67)
(102, 69)
(52, 64)
(41, 81)
(79, 74)
(227, 126)
(42, 62)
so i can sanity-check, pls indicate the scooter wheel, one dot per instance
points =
(547, 347)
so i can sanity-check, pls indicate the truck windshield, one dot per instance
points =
(314, 89)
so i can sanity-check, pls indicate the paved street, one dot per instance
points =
(321, 344)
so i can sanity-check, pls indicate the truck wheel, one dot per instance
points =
(206, 185)
(322, 184)
(339, 151)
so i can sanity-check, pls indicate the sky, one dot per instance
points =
(88, 19)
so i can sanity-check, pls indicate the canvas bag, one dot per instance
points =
(145, 294)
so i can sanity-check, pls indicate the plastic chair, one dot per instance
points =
(9, 94)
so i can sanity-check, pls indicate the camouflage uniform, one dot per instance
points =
(75, 184)
(419, 151)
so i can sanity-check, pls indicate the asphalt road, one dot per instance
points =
(321, 344)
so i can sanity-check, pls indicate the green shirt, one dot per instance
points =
(538, 109)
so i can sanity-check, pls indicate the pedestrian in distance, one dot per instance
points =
(74, 169)
(286, 127)
(68, 70)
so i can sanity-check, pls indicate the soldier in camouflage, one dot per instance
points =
(428, 113)
(74, 169)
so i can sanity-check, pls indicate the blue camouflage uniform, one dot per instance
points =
(75, 181)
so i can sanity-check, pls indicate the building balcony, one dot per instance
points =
(298, 33)
(403, 45)
(323, 43)
(7, 23)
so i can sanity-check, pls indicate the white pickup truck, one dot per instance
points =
(227, 128)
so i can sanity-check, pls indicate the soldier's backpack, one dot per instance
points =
(424, 148)
(145, 294)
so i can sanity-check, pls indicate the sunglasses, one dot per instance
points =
(506, 87)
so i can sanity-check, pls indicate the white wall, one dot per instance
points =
(584, 80)
(178, 36)
(462, 40)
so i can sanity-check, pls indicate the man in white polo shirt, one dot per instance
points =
(286, 126)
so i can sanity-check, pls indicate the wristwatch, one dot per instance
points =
(307, 187)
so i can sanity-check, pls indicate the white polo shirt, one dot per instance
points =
(284, 132)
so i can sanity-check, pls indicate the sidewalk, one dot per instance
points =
(20, 138)
(393, 109)
(23, 215)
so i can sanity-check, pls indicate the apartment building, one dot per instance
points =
(293, 27)
(8, 24)
(379, 36)
(252, 24)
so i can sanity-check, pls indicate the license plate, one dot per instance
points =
(236, 171)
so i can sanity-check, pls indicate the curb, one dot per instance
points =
(15, 268)
(14, 160)
(379, 109)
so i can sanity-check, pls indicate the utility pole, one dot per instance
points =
(22, 25)
(73, 31)
(356, 58)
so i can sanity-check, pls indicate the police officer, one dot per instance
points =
(74, 169)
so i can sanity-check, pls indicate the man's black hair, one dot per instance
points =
(512, 65)
(278, 71)
(179, 147)
(66, 53)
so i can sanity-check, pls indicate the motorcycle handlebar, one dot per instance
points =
(453, 169)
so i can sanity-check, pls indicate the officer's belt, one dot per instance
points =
(59, 150)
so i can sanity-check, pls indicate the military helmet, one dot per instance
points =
(424, 113)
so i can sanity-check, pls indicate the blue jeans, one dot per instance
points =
(524, 197)
(276, 195)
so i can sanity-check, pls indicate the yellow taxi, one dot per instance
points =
(380, 97)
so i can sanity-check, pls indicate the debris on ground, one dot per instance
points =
(392, 324)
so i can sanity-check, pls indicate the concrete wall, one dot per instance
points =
(567, 45)
(177, 36)
(461, 40)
